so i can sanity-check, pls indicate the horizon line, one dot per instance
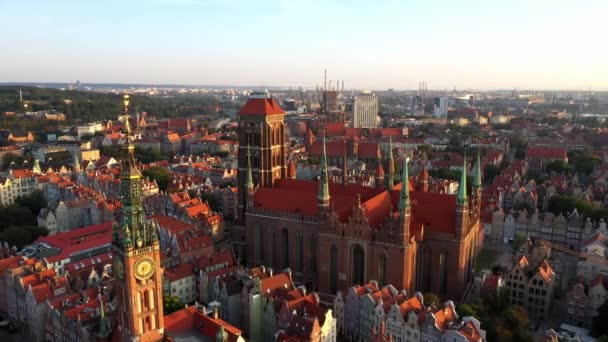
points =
(285, 87)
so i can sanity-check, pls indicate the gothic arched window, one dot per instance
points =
(382, 270)
(358, 265)
(285, 243)
(333, 269)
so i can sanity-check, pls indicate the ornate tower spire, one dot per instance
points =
(291, 169)
(104, 329)
(462, 187)
(404, 203)
(477, 179)
(76, 163)
(379, 177)
(323, 196)
(425, 179)
(462, 204)
(404, 197)
(36, 168)
(249, 176)
(391, 165)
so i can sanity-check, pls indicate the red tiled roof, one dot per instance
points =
(78, 239)
(334, 129)
(333, 148)
(547, 152)
(470, 332)
(278, 282)
(302, 197)
(368, 150)
(179, 272)
(443, 316)
(261, 106)
(180, 320)
(412, 304)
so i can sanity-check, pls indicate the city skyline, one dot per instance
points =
(467, 45)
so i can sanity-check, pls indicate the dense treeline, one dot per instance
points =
(18, 222)
(90, 106)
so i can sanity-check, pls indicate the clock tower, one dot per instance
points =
(137, 268)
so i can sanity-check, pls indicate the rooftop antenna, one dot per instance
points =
(325, 87)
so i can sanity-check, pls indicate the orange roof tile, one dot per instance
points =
(261, 106)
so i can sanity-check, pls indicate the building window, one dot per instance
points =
(313, 254)
(382, 270)
(358, 265)
(258, 243)
(333, 269)
(300, 251)
(285, 238)
(273, 241)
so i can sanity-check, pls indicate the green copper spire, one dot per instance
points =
(404, 198)
(36, 168)
(104, 330)
(323, 196)
(76, 163)
(391, 165)
(249, 175)
(462, 187)
(477, 180)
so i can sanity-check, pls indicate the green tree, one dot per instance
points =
(149, 155)
(171, 304)
(22, 235)
(490, 172)
(558, 166)
(34, 202)
(431, 298)
(160, 175)
(465, 310)
(10, 157)
(599, 326)
(212, 200)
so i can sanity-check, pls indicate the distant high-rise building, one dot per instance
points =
(365, 110)
(440, 107)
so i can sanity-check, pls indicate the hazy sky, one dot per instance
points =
(372, 44)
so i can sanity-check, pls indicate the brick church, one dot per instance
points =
(335, 235)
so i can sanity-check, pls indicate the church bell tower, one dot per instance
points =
(137, 257)
(262, 142)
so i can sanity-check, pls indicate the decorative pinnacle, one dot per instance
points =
(462, 187)
(323, 181)
(477, 180)
(391, 165)
(249, 175)
(404, 197)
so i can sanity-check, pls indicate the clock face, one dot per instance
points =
(120, 268)
(144, 268)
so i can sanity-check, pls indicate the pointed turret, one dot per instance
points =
(249, 176)
(291, 169)
(462, 186)
(391, 165)
(323, 196)
(405, 203)
(309, 138)
(477, 180)
(37, 169)
(379, 177)
(76, 163)
(104, 329)
(462, 205)
(424, 178)
(404, 197)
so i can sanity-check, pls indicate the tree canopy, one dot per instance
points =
(599, 327)
(160, 175)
